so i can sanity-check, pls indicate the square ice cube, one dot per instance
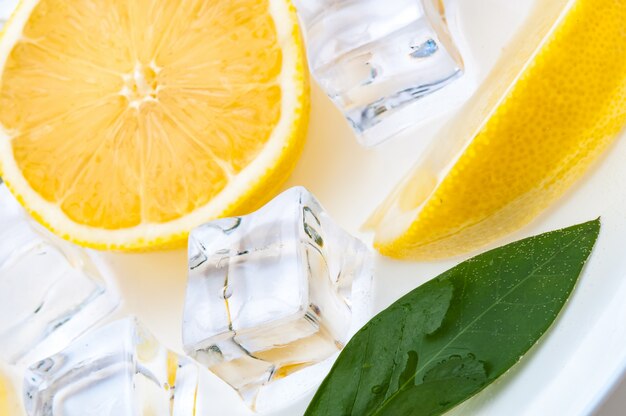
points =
(116, 370)
(50, 291)
(381, 61)
(272, 293)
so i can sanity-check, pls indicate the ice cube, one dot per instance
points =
(381, 61)
(272, 293)
(117, 370)
(50, 291)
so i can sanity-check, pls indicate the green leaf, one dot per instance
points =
(451, 337)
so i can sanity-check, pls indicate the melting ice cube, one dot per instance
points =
(50, 292)
(117, 370)
(273, 293)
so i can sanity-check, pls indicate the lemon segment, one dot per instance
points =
(123, 125)
(552, 106)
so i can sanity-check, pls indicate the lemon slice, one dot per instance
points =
(124, 124)
(8, 402)
(4, 401)
(551, 107)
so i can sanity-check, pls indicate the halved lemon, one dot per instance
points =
(124, 124)
(553, 105)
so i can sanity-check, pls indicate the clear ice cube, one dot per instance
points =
(379, 60)
(272, 293)
(117, 370)
(50, 291)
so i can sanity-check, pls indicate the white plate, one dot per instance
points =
(572, 368)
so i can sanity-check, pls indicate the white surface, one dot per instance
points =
(615, 404)
(573, 367)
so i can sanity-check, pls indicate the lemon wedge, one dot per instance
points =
(551, 107)
(124, 124)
